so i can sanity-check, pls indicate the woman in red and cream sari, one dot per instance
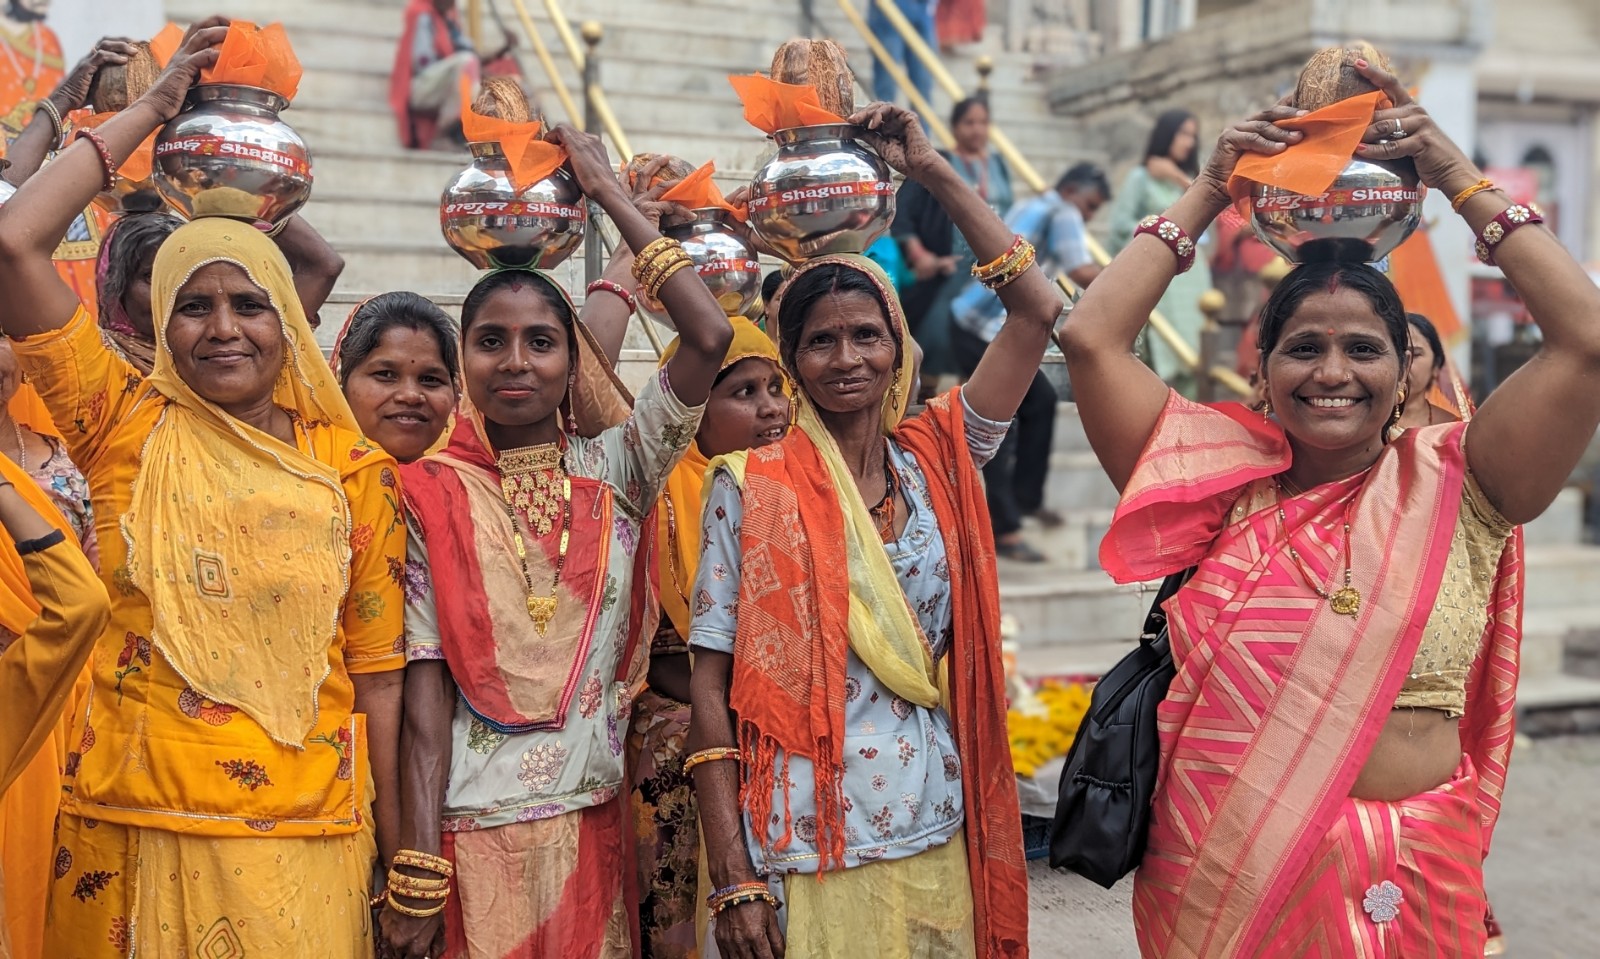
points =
(1334, 745)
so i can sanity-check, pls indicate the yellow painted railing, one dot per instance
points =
(919, 48)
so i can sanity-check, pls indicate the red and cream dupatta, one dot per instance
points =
(1277, 699)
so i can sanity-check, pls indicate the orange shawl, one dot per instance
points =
(792, 645)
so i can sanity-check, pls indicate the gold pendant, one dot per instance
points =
(542, 609)
(1346, 601)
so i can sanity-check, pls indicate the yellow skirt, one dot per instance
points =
(166, 895)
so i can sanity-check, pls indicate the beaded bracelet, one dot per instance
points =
(423, 860)
(737, 887)
(1460, 199)
(712, 755)
(654, 289)
(1506, 222)
(105, 156)
(56, 122)
(615, 289)
(1173, 235)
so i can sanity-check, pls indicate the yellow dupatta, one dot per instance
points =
(241, 542)
(884, 635)
(681, 498)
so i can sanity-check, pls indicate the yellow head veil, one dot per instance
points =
(240, 542)
(678, 519)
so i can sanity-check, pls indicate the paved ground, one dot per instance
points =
(1543, 874)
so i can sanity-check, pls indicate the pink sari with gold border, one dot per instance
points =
(1278, 700)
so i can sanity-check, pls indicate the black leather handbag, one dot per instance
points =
(1103, 812)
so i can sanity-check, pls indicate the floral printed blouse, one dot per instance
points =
(495, 778)
(902, 778)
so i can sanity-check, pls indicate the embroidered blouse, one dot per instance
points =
(496, 778)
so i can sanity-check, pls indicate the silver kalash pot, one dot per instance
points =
(1369, 210)
(228, 154)
(822, 192)
(723, 259)
(487, 220)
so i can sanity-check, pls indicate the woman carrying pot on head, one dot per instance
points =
(128, 252)
(1170, 164)
(847, 573)
(1355, 602)
(245, 699)
(398, 362)
(748, 408)
(528, 604)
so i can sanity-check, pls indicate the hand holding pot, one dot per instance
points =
(1405, 129)
(73, 92)
(590, 164)
(896, 135)
(1259, 134)
(200, 48)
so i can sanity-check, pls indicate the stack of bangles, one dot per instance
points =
(739, 894)
(714, 754)
(1004, 269)
(436, 890)
(656, 264)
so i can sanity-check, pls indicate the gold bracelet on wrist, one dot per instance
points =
(406, 910)
(424, 861)
(667, 274)
(647, 256)
(658, 273)
(647, 273)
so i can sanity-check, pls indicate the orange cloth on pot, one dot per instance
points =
(530, 158)
(1310, 166)
(697, 191)
(770, 105)
(255, 56)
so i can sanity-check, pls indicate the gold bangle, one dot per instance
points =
(667, 274)
(406, 910)
(423, 860)
(428, 894)
(712, 755)
(647, 256)
(651, 274)
(995, 265)
(1013, 273)
(1460, 199)
(418, 888)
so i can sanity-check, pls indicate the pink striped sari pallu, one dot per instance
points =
(1278, 700)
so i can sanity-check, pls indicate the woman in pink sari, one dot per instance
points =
(1334, 744)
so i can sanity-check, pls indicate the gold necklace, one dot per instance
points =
(1346, 601)
(536, 488)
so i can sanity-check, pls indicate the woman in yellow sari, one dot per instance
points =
(218, 796)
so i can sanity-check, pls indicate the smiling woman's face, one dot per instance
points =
(846, 358)
(225, 337)
(1333, 377)
(516, 357)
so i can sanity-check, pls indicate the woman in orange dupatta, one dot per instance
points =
(881, 811)
(1334, 745)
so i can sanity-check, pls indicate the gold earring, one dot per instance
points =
(896, 391)
(1394, 431)
(1266, 408)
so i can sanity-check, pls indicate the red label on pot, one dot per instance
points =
(813, 194)
(1357, 196)
(211, 146)
(511, 208)
(722, 265)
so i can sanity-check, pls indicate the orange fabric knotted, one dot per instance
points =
(1310, 166)
(697, 191)
(770, 105)
(255, 56)
(166, 43)
(531, 159)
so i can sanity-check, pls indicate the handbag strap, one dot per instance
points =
(1155, 621)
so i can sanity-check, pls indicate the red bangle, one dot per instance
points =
(615, 289)
(1173, 235)
(105, 155)
(1505, 223)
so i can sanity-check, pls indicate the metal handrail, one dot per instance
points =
(593, 94)
(1163, 328)
(548, 63)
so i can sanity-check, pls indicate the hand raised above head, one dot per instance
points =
(1404, 129)
(896, 134)
(1259, 134)
(73, 92)
(201, 46)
